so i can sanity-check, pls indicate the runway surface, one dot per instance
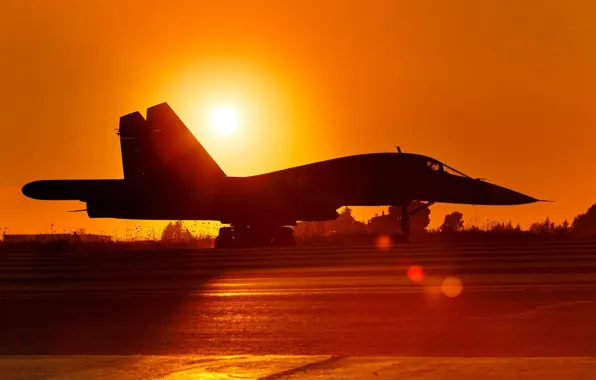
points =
(528, 300)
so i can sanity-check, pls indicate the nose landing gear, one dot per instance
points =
(405, 217)
(405, 222)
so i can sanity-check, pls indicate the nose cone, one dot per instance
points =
(498, 195)
(465, 190)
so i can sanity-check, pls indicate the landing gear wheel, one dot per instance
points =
(405, 222)
(217, 243)
(225, 238)
(284, 237)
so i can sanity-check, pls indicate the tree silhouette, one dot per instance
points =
(344, 221)
(548, 225)
(175, 231)
(344, 224)
(585, 224)
(453, 222)
(503, 227)
(537, 228)
(390, 223)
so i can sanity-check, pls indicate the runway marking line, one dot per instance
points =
(537, 310)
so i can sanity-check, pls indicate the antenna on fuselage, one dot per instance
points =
(398, 148)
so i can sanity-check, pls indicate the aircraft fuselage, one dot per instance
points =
(310, 192)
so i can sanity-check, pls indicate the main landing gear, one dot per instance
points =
(405, 217)
(254, 236)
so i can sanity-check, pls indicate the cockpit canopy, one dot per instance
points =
(435, 165)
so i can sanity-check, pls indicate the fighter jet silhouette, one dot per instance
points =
(168, 175)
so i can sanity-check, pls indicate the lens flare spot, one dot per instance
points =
(452, 287)
(415, 273)
(383, 242)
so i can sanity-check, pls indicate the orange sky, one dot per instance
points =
(498, 89)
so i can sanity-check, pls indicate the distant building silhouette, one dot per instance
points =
(46, 238)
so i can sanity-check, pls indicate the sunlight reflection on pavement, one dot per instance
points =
(271, 367)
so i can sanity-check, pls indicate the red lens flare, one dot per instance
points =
(383, 242)
(415, 273)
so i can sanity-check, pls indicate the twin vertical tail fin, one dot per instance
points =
(139, 159)
(163, 148)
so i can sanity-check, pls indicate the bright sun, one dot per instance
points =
(224, 121)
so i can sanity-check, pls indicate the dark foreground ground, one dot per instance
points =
(527, 300)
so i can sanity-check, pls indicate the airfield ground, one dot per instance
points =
(413, 311)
